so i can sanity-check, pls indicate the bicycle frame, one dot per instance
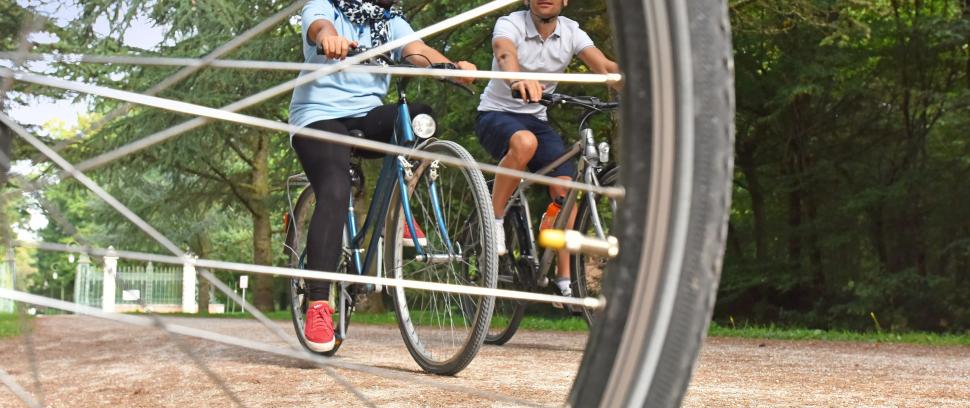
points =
(592, 162)
(394, 169)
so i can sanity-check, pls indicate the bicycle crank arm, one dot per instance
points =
(575, 242)
(437, 258)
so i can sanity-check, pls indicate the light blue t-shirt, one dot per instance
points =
(342, 94)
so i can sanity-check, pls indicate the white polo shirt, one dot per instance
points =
(551, 55)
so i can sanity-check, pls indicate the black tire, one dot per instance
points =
(439, 336)
(296, 231)
(513, 274)
(586, 271)
(672, 223)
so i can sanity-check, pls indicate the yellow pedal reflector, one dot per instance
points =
(552, 238)
(575, 242)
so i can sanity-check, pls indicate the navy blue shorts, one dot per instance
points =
(494, 129)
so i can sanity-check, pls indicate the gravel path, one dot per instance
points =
(87, 362)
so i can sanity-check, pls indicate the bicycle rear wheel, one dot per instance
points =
(439, 329)
(677, 60)
(296, 232)
(513, 274)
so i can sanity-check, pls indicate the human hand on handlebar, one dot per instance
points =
(334, 46)
(529, 89)
(467, 66)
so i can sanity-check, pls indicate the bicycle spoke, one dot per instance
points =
(17, 390)
(28, 334)
(184, 348)
(142, 321)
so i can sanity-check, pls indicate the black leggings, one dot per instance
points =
(327, 166)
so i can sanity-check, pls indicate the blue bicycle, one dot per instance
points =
(443, 331)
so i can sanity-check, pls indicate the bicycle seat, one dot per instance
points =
(360, 153)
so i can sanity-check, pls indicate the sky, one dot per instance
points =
(41, 110)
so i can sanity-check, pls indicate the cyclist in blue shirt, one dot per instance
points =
(516, 132)
(340, 103)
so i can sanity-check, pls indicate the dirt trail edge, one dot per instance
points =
(89, 362)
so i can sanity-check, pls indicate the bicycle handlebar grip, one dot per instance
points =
(545, 100)
(354, 51)
(575, 242)
(443, 65)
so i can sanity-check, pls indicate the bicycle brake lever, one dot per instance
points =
(451, 80)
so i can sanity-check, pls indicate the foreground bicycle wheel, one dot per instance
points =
(296, 233)
(676, 57)
(443, 331)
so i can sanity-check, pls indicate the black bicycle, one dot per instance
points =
(524, 267)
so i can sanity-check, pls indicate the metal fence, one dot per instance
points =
(137, 287)
(156, 286)
(87, 283)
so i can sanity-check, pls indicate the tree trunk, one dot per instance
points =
(204, 250)
(262, 228)
(746, 162)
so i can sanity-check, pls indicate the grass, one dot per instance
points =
(387, 318)
(776, 333)
(577, 324)
(275, 315)
(9, 325)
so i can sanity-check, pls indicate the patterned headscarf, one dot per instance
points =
(361, 12)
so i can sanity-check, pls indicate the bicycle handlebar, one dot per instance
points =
(386, 59)
(588, 102)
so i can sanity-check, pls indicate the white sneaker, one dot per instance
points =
(564, 290)
(500, 238)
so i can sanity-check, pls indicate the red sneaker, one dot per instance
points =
(407, 241)
(318, 330)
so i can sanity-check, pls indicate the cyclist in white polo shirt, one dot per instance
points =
(517, 132)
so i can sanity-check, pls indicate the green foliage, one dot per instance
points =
(850, 165)
(9, 325)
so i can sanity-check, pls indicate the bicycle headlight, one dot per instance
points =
(424, 126)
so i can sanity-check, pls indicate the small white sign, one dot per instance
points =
(130, 295)
(244, 281)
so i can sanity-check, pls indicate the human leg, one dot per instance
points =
(506, 138)
(326, 166)
(550, 148)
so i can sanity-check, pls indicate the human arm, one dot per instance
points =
(507, 57)
(324, 35)
(432, 56)
(597, 62)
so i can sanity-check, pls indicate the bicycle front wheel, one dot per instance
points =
(443, 331)
(677, 123)
(593, 218)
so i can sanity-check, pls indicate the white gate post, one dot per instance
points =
(189, 302)
(81, 278)
(108, 283)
